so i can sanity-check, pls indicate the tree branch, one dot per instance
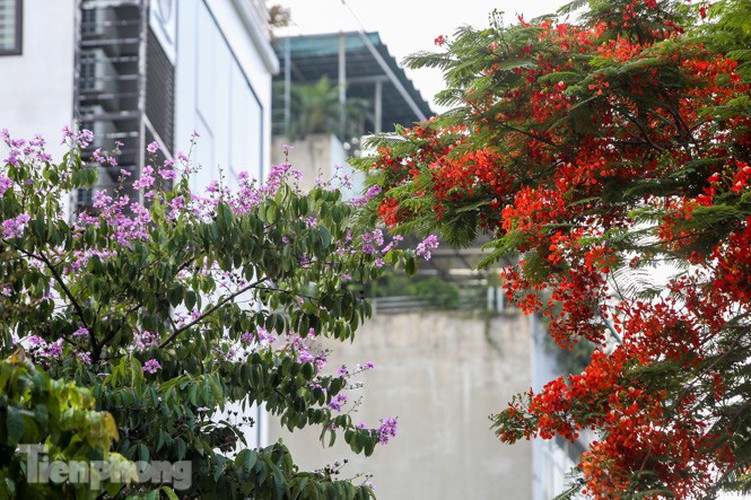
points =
(59, 279)
(213, 309)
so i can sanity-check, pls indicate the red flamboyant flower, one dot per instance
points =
(597, 152)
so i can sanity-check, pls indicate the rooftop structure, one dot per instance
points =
(362, 67)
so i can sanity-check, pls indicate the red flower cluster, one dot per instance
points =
(592, 151)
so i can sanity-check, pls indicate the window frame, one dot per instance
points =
(18, 45)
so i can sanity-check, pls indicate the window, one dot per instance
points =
(10, 27)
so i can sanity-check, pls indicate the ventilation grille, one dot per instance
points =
(160, 91)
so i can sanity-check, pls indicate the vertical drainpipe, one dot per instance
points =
(287, 86)
(142, 89)
(378, 107)
(77, 40)
(342, 83)
(76, 111)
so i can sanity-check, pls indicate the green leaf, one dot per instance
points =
(247, 459)
(171, 495)
(181, 448)
(14, 425)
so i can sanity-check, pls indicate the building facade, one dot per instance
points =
(142, 71)
(37, 65)
(139, 71)
(332, 89)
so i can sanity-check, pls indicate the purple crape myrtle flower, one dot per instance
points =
(103, 159)
(394, 242)
(146, 180)
(151, 366)
(387, 430)
(85, 138)
(54, 349)
(367, 366)
(146, 339)
(5, 184)
(264, 335)
(305, 357)
(342, 371)
(361, 201)
(278, 175)
(167, 173)
(43, 349)
(338, 401)
(425, 246)
(80, 332)
(13, 228)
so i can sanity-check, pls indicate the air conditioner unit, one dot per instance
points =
(97, 22)
(97, 72)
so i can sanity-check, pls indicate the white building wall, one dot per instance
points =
(223, 88)
(223, 92)
(36, 87)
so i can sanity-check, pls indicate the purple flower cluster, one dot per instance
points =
(5, 184)
(103, 159)
(81, 332)
(387, 430)
(262, 336)
(82, 139)
(146, 339)
(146, 180)
(151, 366)
(43, 349)
(22, 150)
(425, 246)
(13, 228)
(361, 201)
(113, 212)
(338, 401)
(298, 346)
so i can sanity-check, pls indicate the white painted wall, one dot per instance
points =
(223, 92)
(36, 87)
(223, 89)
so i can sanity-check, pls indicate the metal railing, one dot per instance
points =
(487, 299)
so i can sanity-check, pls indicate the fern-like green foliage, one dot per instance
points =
(646, 98)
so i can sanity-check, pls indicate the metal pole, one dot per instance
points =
(385, 67)
(287, 86)
(342, 83)
(378, 107)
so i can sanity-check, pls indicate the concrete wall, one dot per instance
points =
(37, 86)
(318, 156)
(442, 374)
